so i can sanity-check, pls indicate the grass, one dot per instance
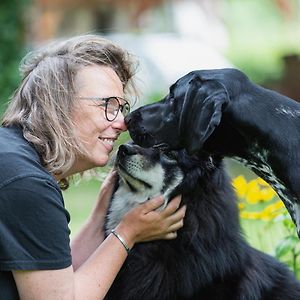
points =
(79, 201)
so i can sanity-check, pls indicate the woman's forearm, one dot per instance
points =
(86, 242)
(96, 275)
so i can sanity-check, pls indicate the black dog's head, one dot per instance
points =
(188, 115)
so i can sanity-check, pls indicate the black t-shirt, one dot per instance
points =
(34, 233)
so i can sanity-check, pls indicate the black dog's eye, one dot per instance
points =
(172, 104)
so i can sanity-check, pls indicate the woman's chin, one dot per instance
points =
(101, 161)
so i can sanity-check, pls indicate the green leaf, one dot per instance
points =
(286, 246)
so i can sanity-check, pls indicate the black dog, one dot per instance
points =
(223, 113)
(210, 259)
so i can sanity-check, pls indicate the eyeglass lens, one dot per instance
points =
(113, 106)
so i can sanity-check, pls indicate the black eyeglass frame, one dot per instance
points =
(121, 107)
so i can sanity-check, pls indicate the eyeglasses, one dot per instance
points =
(112, 106)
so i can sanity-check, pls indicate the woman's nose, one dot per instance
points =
(119, 123)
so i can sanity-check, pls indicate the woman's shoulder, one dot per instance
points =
(13, 141)
(18, 158)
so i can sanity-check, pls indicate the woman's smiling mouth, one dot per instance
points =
(107, 142)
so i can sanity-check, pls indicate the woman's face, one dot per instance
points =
(95, 132)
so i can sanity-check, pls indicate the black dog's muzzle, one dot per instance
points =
(138, 133)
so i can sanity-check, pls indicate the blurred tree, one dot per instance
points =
(12, 36)
(261, 34)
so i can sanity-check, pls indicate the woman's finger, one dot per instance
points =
(170, 236)
(176, 226)
(153, 204)
(172, 206)
(177, 216)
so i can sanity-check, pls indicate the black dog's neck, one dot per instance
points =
(249, 125)
(262, 143)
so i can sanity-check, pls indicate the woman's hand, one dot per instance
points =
(146, 223)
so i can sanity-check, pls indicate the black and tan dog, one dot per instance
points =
(209, 259)
(223, 113)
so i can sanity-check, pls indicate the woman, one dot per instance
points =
(64, 119)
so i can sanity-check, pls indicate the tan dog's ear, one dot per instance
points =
(201, 112)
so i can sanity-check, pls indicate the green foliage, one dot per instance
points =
(288, 248)
(79, 200)
(12, 27)
(259, 36)
(261, 208)
(154, 97)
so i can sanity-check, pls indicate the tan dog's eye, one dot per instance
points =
(173, 155)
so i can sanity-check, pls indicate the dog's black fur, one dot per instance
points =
(210, 259)
(223, 113)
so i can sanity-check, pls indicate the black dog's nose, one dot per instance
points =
(127, 150)
(133, 118)
(127, 120)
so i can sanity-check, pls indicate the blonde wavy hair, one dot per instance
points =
(43, 103)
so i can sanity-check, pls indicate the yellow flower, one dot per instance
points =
(274, 207)
(250, 215)
(261, 182)
(254, 192)
(253, 195)
(266, 191)
(265, 216)
(240, 185)
(279, 204)
(241, 205)
(267, 194)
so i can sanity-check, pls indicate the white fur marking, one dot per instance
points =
(286, 110)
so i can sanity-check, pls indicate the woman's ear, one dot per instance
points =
(202, 110)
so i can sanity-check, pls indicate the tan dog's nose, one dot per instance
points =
(125, 150)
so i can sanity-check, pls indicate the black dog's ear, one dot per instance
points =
(201, 112)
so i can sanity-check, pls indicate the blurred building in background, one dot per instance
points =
(169, 37)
